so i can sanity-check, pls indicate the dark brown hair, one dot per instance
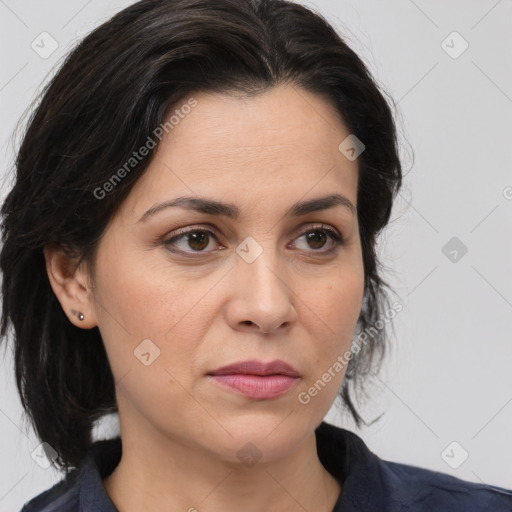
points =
(107, 98)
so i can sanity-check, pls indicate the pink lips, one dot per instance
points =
(256, 379)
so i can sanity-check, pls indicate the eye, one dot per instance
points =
(196, 239)
(317, 237)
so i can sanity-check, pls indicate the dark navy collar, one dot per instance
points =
(101, 460)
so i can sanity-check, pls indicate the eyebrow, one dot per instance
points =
(211, 207)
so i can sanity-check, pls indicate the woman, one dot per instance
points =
(190, 241)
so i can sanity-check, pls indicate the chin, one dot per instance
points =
(261, 437)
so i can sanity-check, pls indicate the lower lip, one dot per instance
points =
(256, 386)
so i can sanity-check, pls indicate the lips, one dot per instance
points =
(255, 379)
(253, 367)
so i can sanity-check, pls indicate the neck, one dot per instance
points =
(164, 474)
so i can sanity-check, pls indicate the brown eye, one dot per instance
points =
(195, 240)
(198, 240)
(317, 238)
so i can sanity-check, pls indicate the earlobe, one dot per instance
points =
(70, 284)
(78, 314)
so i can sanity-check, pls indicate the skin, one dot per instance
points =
(181, 432)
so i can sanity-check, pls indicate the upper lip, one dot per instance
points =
(254, 367)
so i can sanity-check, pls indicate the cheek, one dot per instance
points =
(146, 315)
(137, 298)
(337, 302)
(336, 307)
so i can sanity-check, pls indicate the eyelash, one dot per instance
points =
(335, 237)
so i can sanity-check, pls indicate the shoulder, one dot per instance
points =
(62, 497)
(422, 489)
(82, 488)
(373, 484)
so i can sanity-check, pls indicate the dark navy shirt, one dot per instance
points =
(369, 483)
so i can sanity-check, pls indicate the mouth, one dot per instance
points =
(254, 367)
(256, 379)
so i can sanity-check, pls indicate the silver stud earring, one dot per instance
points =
(78, 314)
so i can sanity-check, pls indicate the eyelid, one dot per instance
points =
(304, 228)
(191, 229)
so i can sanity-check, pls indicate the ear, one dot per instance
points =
(70, 283)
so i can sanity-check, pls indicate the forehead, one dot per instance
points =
(277, 122)
(284, 140)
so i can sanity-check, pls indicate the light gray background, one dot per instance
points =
(449, 376)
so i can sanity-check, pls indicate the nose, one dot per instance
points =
(261, 296)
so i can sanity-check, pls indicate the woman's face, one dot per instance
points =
(260, 278)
